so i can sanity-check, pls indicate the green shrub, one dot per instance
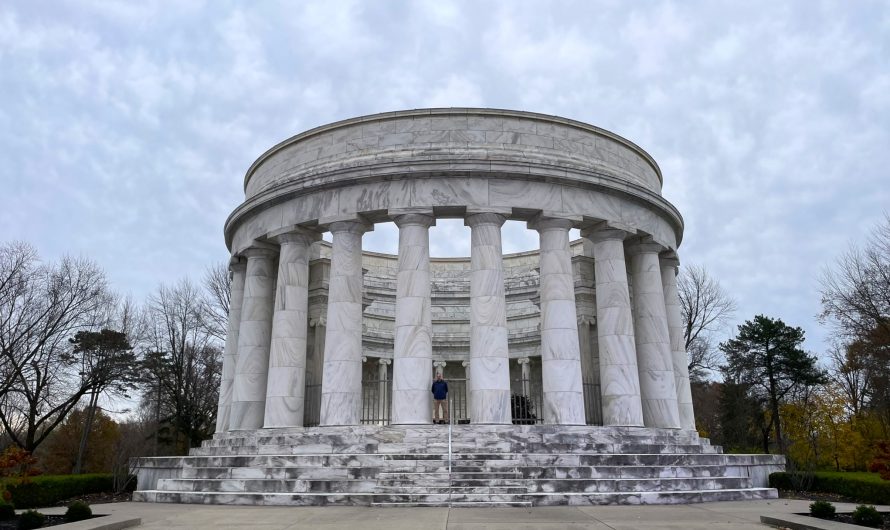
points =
(7, 510)
(78, 511)
(49, 490)
(867, 516)
(31, 519)
(822, 509)
(859, 486)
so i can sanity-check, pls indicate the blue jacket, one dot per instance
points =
(440, 389)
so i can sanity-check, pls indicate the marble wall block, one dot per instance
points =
(341, 387)
(413, 346)
(285, 390)
(560, 350)
(619, 377)
(678, 351)
(230, 355)
(654, 358)
(489, 384)
(254, 336)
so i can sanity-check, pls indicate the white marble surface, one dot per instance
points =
(489, 384)
(230, 354)
(560, 349)
(678, 351)
(287, 359)
(342, 373)
(619, 378)
(413, 345)
(654, 358)
(254, 335)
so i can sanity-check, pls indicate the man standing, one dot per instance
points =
(440, 400)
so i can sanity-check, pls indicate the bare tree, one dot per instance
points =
(852, 373)
(856, 302)
(217, 287)
(706, 308)
(183, 365)
(856, 290)
(41, 307)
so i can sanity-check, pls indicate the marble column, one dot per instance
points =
(383, 403)
(669, 266)
(413, 348)
(654, 359)
(439, 367)
(489, 369)
(254, 338)
(341, 379)
(286, 389)
(525, 375)
(230, 355)
(619, 378)
(560, 349)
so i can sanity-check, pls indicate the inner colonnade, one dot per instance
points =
(638, 352)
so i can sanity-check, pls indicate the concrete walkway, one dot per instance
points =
(715, 516)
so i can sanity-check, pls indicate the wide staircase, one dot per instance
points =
(528, 465)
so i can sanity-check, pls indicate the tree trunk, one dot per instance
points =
(85, 435)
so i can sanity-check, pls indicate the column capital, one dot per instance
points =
(420, 219)
(465, 363)
(260, 252)
(439, 364)
(364, 358)
(669, 258)
(644, 245)
(355, 226)
(484, 218)
(294, 234)
(523, 360)
(543, 221)
(606, 232)
(318, 321)
(384, 362)
(237, 264)
(586, 320)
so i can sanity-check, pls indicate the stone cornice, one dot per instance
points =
(457, 111)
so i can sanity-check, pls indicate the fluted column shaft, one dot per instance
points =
(678, 349)
(285, 392)
(489, 383)
(254, 337)
(525, 375)
(560, 349)
(654, 359)
(230, 355)
(341, 386)
(413, 348)
(619, 379)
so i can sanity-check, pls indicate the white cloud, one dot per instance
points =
(126, 128)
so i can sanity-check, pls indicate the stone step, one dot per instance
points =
(441, 485)
(442, 449)
(527, 471)
(409, 462)
(477, 434)
(536, 499)
(491, 504)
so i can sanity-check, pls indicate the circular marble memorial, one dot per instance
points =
(566, 369)
(584, 331)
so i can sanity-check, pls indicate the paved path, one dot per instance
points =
(714, 516)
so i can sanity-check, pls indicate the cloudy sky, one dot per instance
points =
(126, 127)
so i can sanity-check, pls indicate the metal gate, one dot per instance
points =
(376, 401)
(526, 402)
(312, 405)
(593, 403)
